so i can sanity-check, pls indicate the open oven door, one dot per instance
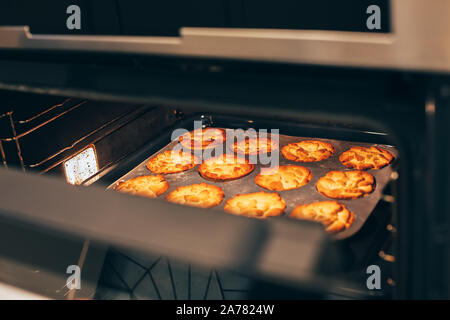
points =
(288, 254)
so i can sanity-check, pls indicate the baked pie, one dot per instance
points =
(362, 158)
(333, 215)
(201, 139)
(201, 195)
(147, 186)
(283, 178)
(172, 162)
(346, 184)
(257, 205)
(308, 151)
(254, 146)
(225, 167)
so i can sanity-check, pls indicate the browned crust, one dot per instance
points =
(171, 162)
(283, 178)
(259, 205)
(308, 151)
(150, 186)
(346, 184)
(200, 195)
(224, 168)
(253, 146)
(333, 215)
(363, 158)
(201, 139)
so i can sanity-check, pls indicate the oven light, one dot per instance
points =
(81, 166)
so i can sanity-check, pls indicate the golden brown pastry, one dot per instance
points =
(172, 162)
(225, 167)
(346, 184)
(362, 158)
(308, 151)
(201, 139)
(333, 215)
(254, 146)
(201, 195)
(257, 205)
(283, 178)
(147, 186)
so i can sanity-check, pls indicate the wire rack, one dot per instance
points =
(15, 129)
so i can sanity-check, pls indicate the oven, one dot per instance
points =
(79, 114)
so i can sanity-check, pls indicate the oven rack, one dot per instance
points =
(91, 137)
(13, 130)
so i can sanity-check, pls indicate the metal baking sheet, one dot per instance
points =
(361, 207)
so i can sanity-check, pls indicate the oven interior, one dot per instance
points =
(129, 274)
(41, 132)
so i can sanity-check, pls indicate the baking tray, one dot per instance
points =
(361, 207)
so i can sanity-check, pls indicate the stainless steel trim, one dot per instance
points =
(420, 41)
